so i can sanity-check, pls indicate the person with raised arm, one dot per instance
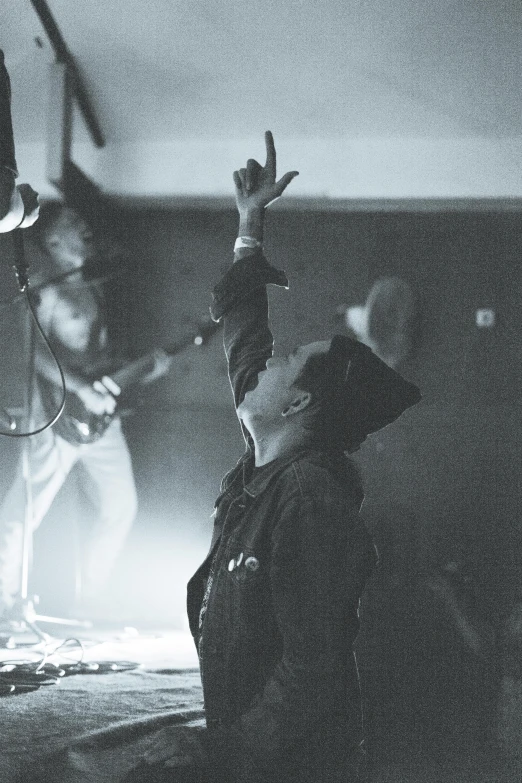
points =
(273, 609)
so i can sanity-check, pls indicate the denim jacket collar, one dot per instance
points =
(259, 482)
(344, 469)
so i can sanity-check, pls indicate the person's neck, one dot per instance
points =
(270, 445)
(66, 266)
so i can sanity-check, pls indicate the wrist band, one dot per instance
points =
(249, 242)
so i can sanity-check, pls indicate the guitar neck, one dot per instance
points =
(135, 370)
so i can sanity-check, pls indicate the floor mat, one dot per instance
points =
(96, 727)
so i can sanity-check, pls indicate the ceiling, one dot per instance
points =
(368, 98)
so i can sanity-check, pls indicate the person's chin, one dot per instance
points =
(246, 410)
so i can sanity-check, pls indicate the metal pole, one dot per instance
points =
(26, 463)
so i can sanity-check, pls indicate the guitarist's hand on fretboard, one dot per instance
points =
(98, 401)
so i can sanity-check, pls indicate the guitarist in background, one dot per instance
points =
(72, 312)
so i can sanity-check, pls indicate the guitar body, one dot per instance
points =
(79, 426)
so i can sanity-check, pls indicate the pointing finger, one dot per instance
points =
(270, 154)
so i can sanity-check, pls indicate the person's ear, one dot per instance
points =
(299, 403)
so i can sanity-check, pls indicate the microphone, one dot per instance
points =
(20, 264)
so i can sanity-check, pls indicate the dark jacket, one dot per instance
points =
(291, 557)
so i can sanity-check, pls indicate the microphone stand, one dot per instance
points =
(23, 613)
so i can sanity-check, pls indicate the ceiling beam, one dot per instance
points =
(59, 122)
(63, 55)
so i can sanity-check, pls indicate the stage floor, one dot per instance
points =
(95, 728)
(150, 647)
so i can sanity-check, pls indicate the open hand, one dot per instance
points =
(256, 185)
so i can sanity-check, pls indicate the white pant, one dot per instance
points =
(111, 489)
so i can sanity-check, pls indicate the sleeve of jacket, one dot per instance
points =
(320, 562)
(241, 300)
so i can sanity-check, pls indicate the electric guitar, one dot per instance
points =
(78, 425)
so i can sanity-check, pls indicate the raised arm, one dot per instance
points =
(240, 297)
